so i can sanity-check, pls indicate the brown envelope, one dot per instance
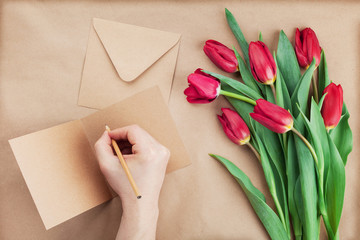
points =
(123, 59)
(59, 165)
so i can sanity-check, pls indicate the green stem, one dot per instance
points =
(273, 91)
(328, 226)
(315, 89)
(308, 145)
(254, 151)
(237, 96)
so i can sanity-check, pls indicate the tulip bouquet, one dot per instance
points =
(295, 122)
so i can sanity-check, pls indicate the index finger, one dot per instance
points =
(133, 134)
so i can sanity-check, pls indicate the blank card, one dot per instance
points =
(59, 165)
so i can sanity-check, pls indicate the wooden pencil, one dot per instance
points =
(124, 165)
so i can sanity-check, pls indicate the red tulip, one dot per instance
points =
(234, 126)
(262, 63)
(203, 88)
(222, 56)
(275, 118)
(307, 47)
(332, 105)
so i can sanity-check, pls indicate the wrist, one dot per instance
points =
(143, 208)
(138, 221)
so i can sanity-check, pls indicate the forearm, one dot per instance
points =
(138, 222)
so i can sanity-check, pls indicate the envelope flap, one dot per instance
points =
(133, 49)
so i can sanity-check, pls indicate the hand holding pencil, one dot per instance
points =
(145, 158)
(124, 165)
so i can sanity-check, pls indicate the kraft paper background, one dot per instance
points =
(42, 51)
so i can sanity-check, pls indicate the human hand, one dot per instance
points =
(146, 158)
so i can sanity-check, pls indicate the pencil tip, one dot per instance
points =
(138, 197)
(107, 128)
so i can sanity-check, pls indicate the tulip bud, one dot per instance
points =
(332, 105)
(307, 47)
(273, 117)
(203, 88)
(262, 63)
(234, 126)
(222, 56)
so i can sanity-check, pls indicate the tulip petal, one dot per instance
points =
(191, 92)
(268, 123)
(314, 50)
(227, 130)
(271, 60)
(236, 124)
(303, 37)
(206, 87)
(262, 64)
(308, 43)
(199, 71)
(223, 50)
(307, 47)
(332, 106)
(193, 96)
(222, 57)
(300, 55)
(272, 111)
(214, 43)
(198, 100)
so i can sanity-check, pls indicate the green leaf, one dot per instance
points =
(282, 93)
(274, 180)
(323, 74)
(308, 186)
(260, 37)
(242, 88)
(240, 176)
(272, 144)
(287, 61)
(246, 74)
(342, 135)
(301, 92)
(278, 88)
(318, 133)
(234, 26)
(298, 201)
(281, 192)
(292, 173)
(267, 216)
(335, 187)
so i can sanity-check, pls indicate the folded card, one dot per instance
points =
(59, 165)
(123, 59)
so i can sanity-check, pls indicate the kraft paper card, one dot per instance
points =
(123, 59)
(59, 165)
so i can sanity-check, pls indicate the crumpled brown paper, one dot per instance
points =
(42, 50)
